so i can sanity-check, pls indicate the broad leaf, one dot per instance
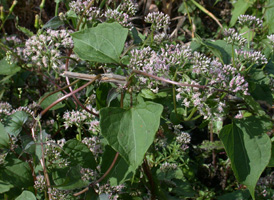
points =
(68, 178)
(54, 23)
(131, 132)
(17, 172)
(103, 43)
(248, 147)
(4, 137)
(18, 119)
(236, 195)
(79, 154)
(26, 195)
(269, 16)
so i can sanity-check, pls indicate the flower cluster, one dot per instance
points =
(264, 186)
(271, 39)
(120, 17)
(40, 183)
(113, 192)
(14, 40)
(79, 118)
(5, 109)
(200, 63)
(79, 6)
(168, 166)
(254, 57)
(128, 7)
(158, 20)
(94, 145)
(250, 21)
(45, 50)
(158, 63)
(89, 175)
(234, 38)
(53, 151)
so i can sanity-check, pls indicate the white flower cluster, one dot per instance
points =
(250, 21)
(89, 175)
(45, 50)
(94, 145)
(253, 57)
(79, 6)
(234, 38)
(117, 16)
(168, 166)
(158, 20)
(128, 7)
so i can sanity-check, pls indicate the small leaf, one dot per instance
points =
(26, 195)
(5, 186)
(4, 137)
(53, 23)
(248, 147)
(8, 69)
(236, 195)
(79, 154)
(148, 94)
(18, 119)
(131, 132)
(103, 43)
(50, 99)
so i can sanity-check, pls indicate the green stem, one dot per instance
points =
(56, 9)
(191, 114)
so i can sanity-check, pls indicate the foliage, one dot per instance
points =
(155, 113)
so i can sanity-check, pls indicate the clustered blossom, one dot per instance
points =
(128, 7)
(13, 40)
(271, 39)
(89, 175)
(158, 20)
(120, 17)
(200, 62)
(5, 108)
(264, 186)
(255, 57)
(94, 145)
(250, 21)
(40, 183)
(232, 37)
(45, 50)
(168, 166)
(113, 192)
(53, 151)
(158, 63)
(80, 117)
(79, 6)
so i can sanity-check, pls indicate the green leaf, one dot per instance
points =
(17, 172)
(102, 94)
(68, 178)
(269, 16)
(131, 132)
(248, 147)
(50, 99)
(4, 137)
(24, 30)
(148, 94)
(18, 119)
(8, 69)
(239, 8)
(53, 23)
(237, 195)
(79, 154)
(121, 170)
(5, 186)
(220, 49)
(103, 43)
(271, 162)
(26, 195)
(254, 105)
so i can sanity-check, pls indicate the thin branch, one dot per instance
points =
(68, 95)
(100, 179)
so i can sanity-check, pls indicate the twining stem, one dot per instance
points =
(68, 95)
(150, 179)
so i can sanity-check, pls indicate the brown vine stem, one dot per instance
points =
(150, 179)
(100, 179)
(174, 82)
(68, 95)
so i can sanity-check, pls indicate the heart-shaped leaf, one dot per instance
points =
(103, 43)
(131, 132)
